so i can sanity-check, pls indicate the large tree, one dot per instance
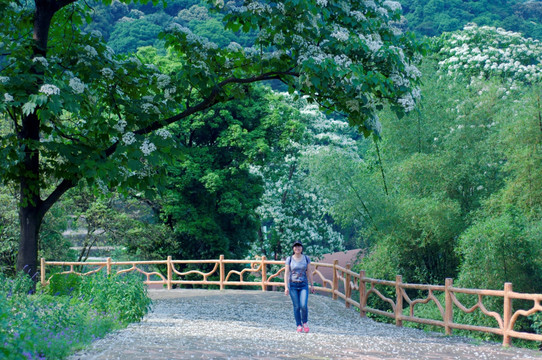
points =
(293, 206)
(76, 110)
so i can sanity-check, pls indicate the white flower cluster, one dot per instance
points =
(168, 93)
(91, 52)
(120, 125)
(135, 61)
(263, 34)
(273, 55)
(162, 81)
(163, 133)
(340, 34)
(125, 172)
(322, 3)
(128, 138)
(392, 5)
(49, 89)
(40, 59)
(374, 124)
(4, 79)
(109, 53)
(373, 42)
(412, 71)
(77, 85)
(137, 13)
(200, 46)
(399, 80)
(152, 67)
(257, 7)
(279, 38)
(487, 51)
(234, 47)
(107, 72)
(149, 108)
(383, 12)
(358, 15)
(352, 105)
(8, 97)
(125, 19)
(343, 61)
(209, 45)
(147, 147)
(407, 102)
(370, 4)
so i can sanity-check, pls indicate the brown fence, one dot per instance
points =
(343, 284)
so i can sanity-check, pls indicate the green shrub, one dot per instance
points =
(123, 295)
(63, 284)
(536, 322)
(42, 325)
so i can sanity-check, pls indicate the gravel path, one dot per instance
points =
(241, 324)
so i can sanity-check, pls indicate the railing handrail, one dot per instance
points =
(350, 281)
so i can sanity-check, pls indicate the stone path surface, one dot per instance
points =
(242, 324)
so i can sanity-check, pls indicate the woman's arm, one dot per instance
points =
(286, 277)
(309, 276)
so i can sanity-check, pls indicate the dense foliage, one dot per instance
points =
(67, 315)
(433, 17)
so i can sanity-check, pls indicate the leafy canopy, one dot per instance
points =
(100, 113)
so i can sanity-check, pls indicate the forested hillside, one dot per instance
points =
(128, 27)
(433, 17)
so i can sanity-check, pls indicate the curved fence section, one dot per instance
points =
(340, 282)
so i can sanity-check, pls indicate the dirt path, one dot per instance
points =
(235, 324)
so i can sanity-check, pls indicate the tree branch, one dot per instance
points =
(64, 186)
(211, 100)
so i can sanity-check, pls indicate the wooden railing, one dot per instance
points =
(342, 284)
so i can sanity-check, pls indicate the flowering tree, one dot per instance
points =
(294, 208)
(490, 52)
(76, 110)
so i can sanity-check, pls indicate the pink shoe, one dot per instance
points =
(299, 329)
(306, 327)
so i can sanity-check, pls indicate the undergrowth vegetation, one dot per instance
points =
(66, 315)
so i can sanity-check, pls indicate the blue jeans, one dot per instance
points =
(299, 292)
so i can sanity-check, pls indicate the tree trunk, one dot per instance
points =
(32, 209)
(30, 213)
(27, 258)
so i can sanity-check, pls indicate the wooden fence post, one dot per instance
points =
(42, 272)
(507, 314)
(169, 272)
(398, 300)
(335, 280)
(362, 292)
(221, 262)
(449, 306)
(264, 272)
(348, 288)
(108, 266)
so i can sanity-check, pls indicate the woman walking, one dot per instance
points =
(297, 278)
